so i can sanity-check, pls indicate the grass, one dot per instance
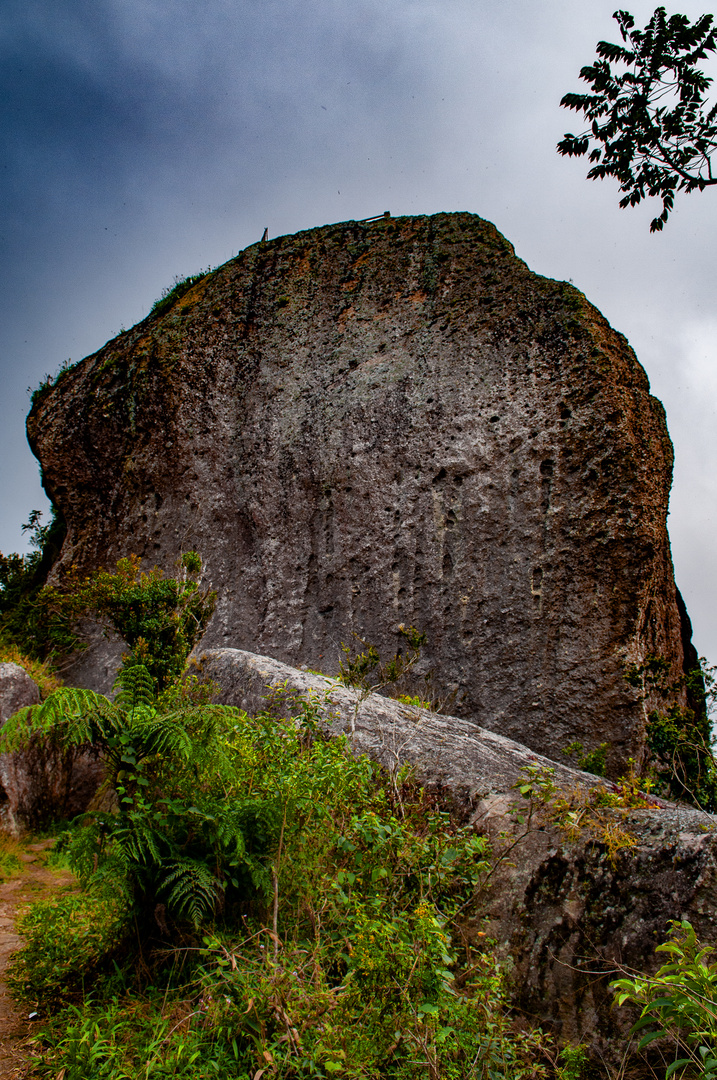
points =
(10, 852)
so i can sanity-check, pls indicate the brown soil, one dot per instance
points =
(34, 881)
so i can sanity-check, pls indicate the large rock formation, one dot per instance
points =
(367, 425)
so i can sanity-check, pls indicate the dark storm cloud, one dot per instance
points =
(101, 90)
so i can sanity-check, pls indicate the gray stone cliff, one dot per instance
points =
(368, 425)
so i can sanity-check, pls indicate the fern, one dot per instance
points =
(167, 830)
(161, 735)
(193, 891)
(136, 688)
(69, 717)
(134, 843)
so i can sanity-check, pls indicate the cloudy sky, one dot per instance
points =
(148, 138)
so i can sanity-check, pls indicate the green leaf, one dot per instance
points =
(650, 1037)
(679, 1064)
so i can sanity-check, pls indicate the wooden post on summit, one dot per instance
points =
(265, 237)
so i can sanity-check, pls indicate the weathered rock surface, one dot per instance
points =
(572, 919)
(366, 425)
(41, 783)
(450, 755)
(17, 690)
(558, 905)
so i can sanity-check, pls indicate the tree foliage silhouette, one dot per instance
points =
(650, 126)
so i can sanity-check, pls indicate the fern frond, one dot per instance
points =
(136, 688)
(69, 715)
(193, 891)
(136, 843)
(162, 735)
(229, 834)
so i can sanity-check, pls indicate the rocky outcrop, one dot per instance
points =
(568, 907)
(17, 690)
(368, 425)
(452, 756)
(41, 783)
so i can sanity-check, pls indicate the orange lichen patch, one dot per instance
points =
(361, 260)
(194, 295)
(344, 316)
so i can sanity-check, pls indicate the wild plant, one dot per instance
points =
(679, 737)
(159, 617)
(678, 1006)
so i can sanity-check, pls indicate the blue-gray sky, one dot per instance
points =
(148, 138)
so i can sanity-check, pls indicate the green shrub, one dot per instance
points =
(679, 737)
(336, 947)
(295, 908)
(678, 1017)
(67, 938)
(159, 617)
(24, 622)
(593, 761)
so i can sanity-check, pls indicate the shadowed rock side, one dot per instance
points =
(564, 911)
(365, 425)
(42, 782)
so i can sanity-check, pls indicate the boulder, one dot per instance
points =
(41, 783)
(568, 907)
(370, 425)
(17, 690)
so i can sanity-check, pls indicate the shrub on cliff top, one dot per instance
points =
(176, 291)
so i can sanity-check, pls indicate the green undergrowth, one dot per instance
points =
(335, 946)
(28, 635)
(10, 851)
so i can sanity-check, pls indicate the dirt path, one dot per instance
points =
(34, 881)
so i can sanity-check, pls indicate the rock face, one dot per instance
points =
(368, 425)
(41, 783)
(560, 904)
(17, 690)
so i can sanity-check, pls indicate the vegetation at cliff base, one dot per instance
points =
(258, 899)
(255, 900)
(159, 617)
(24, 625)
(678, 1006)
(680, 762)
